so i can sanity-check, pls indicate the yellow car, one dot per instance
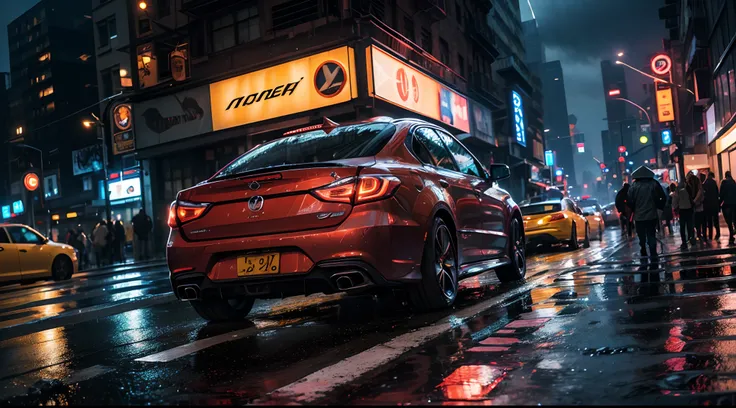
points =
(25, 254)
(594, 213)
(555, 222)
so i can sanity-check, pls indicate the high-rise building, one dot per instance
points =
(53, 81)
(557, 130)
(621, 125)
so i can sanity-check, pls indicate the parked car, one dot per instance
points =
(25, 254)
(611, 215)
(381, 203)
(555, 222)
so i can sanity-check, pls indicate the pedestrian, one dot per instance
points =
(110, 242)
(683, 204)
(645, 197)
(698, 209)
(728, 198)
(142, 226)
(712, 206)
(70, 237)
(665, 215)
(99, 240)
(83, 247)
(120, 240)
(624, 210)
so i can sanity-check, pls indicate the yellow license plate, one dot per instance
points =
(261, 264)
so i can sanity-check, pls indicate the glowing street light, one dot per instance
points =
(620, 54)
(142, 5)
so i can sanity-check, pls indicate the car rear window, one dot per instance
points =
(541, 209)
(344, 142)
(587, 203)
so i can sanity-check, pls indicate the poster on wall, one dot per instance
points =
(125, 189)
(482, 123)
(172, 117)
(86, 160)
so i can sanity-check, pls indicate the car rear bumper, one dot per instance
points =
(546, 236)
(381, 240)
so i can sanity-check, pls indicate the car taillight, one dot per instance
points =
(362, 190)
(557, 217)
(182, 212)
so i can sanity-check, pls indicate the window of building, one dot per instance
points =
(444, 52)
(87, 183)
(163, 8)
(294, 12)
(235, 28)
(46, 92)
(107, 30)
(46, 56)
(461, 64)
(110, 80)
(50, 107)
(725, 102)
(427, 40)
(409, 29)
(732, 90)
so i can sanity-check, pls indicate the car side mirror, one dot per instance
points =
(499, 172)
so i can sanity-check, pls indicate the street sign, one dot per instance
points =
(30, 181)
(661, 64)
(549, 158)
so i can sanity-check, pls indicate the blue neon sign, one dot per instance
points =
(666, 137)
(559, 172)
(6, 212)
(18, 207)
(549, 158)
(519, 122)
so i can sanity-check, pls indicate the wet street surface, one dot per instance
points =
(591, 326)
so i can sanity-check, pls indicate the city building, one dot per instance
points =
(534, 58)
(621, 122)
(52, 71)
(200, 97)
(557, 130)
(700, 44)
(4, 148)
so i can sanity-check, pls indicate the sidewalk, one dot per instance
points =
(154, 262)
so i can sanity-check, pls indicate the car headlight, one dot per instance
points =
(608, 213)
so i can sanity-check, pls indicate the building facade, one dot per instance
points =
(53, 82)
(212, 79)
(557, 130)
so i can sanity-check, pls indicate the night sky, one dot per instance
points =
(581, 33)
(9, 11)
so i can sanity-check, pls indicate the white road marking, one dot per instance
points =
(197, 345)
(318, 384)
(88, 373)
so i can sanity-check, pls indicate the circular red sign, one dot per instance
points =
(30, 181)
(415, 88)
(661, 64)
(402, 84)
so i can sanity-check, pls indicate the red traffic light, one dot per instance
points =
(30, 182)
(603, 166)
(621, 149)
(614, 92)
(621, 159)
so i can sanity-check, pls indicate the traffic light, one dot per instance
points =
(621, 149)
(603, 166)
(643, 139)
(621, 159)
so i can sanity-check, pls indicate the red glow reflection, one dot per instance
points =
(472, 382)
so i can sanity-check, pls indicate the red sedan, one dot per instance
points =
(351, 208)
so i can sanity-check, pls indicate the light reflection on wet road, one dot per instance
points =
(580, 331)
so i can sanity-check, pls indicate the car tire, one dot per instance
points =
(62, 268)
(223, 310)
(586, 242)
(438, 287)
(574, 238)
(516, 269)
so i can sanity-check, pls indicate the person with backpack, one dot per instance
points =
(624, 211)
(728, 198)
(683, 204)
(646, 196)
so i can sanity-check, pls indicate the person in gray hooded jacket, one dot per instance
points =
(646, 196)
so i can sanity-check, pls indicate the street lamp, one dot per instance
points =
(620, 54)
(619, 62)
(142, 5)
(101, 136)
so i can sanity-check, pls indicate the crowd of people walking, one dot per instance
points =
(647, 206)
(108, 240)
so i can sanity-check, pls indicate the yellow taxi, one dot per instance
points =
(25, 254)
(558, 221)
(594, 213)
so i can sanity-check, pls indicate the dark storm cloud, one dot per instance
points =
(596, 29)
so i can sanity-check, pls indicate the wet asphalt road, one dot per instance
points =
(587, 326)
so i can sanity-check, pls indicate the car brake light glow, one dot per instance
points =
(362, 190)
(557, 217)
(303, 130)
(341, 191)
(184, 212)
